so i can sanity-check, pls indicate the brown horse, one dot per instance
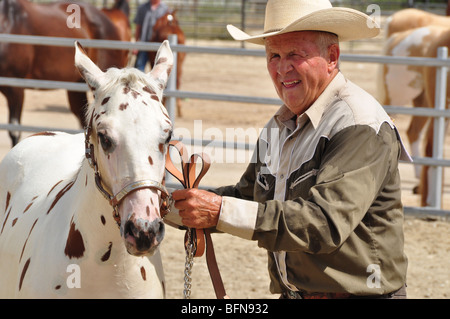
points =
(122, 23)
(403, 85)
(50, 62)
(164, 26)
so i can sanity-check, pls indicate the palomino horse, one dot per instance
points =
(404, 85)
(412, 18)
(165, 26)
(50, 62)
(58, 235)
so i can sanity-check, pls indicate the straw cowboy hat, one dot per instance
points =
(283, 16)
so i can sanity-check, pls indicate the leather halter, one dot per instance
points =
(200, 238)
(115, 200)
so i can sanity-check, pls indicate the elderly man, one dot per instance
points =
(322, 192)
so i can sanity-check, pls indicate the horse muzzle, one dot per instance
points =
(142, 237)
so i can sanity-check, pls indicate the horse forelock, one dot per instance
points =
(128, 76)
(127, 79)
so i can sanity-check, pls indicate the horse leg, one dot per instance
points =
(178, 99)
(425, 177)
(14, 97)
(180, 59)
(78, 102)
(414, 135)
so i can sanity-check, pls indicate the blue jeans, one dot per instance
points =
(141, 60)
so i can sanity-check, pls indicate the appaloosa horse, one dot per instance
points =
(165, 26)
(63, 234)
(51, 62)
(414, 85)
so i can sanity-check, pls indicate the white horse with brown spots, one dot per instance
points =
(63, 234)
(413, 85)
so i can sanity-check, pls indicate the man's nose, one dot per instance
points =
(285, 66)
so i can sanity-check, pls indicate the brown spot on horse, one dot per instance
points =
(74, 243)
(24, 271)
(106, 256)
(60, 194)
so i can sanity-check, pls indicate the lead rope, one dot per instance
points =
(196, 240)
(189, 263)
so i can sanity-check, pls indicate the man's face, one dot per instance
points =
(298, 70)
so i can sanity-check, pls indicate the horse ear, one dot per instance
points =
(163, 64)
(90, 72)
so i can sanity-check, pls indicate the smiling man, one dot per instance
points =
(322, 192)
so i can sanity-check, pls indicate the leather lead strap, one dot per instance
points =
(201, 237)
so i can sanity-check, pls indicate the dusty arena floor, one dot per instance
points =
(242, 263)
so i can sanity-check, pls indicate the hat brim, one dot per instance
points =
(348, 24)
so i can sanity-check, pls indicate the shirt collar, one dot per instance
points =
(316, 110)
(314, 113)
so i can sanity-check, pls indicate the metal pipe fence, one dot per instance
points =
(439, 113)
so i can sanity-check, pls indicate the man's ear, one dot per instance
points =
(334, 53)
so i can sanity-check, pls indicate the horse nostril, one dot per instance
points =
(144, 234)
(161, 231)
(129, 229)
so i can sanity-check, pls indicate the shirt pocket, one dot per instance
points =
(303, 178)
(265, 187)
(300, 186)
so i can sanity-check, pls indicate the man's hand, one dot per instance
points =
(197, 208)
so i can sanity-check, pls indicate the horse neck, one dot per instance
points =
(93, 214)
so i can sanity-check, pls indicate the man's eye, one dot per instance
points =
(169, 137)
(274, 56)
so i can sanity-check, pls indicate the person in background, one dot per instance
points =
(146, 16)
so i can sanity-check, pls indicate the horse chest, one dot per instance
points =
(54, 261)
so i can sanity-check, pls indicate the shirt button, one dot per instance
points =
(282, 176)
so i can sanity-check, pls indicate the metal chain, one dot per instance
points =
(188, 266)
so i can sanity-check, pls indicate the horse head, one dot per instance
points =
(166, 25)
(126, 141)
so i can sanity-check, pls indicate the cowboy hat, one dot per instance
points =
(283, 16)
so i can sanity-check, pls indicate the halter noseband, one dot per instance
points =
(115, 200)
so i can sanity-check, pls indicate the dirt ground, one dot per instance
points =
(242, 263)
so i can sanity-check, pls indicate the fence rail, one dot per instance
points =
(439, 113)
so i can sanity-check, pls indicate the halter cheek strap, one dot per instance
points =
(116, 199)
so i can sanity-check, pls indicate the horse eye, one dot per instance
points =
(106, 142)
(168, 138)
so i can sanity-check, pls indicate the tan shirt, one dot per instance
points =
(322, 195)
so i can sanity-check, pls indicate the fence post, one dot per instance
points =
(172, 82)
(435, 190)
(170, 100)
